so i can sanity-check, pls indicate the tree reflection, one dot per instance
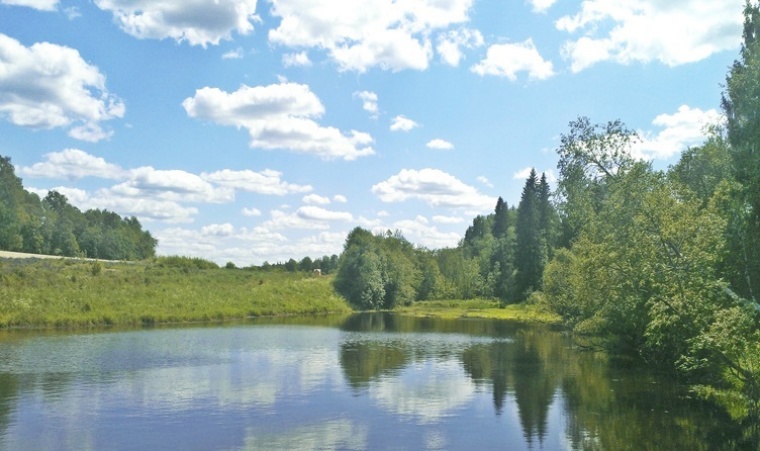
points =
(606, 404)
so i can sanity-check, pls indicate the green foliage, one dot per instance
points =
(741, 103)
(53, 226)
(643, 270)
(67, 293)
(185, 263)
(378, 272)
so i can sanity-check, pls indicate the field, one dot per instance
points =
(73, 293)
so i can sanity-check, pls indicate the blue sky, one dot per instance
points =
(252, 131)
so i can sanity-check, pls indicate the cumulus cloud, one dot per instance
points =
(47, 86)
(170, 185)
(450, 44)
(507, 60)
(279, 116)
(320, 214)
(439, 144)
(42, 5)
(73, 164)
(300, 59)
(267, 181)
(650, 30)
(281, 219)
(197, 22)
(145, 209)
(368, 33)
(680, 130)
(418, 231)
(484, 180)
(369, 101)
(339, 198)
(251, 212)
(225, 229)
(434, 187)
(448, 219)
(246, 246)
(402, 124)
(524, 173)
(541, 6)
(315, 199)
(234, 54)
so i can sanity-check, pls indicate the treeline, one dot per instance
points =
(53, 226)
(502, 256)
(664, 265)
(326, 265)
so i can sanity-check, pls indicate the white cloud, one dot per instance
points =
(684, 128)
(541, 6)
(369, 101)
(311, 212)
(369, 33)
(315, 199)
(278, 117)
(72, 12)
(42, 5)
(170, 185)
(234, 54)
(507, 60)
(403, 124)
(247, 246)
(300, 59)
(650, 30)
(225, 229)
(196, 21)
(434, 187)
(450, 44)
(145, 209)
(73, 164)
(339, 198)
(448, 219)
(484, 180)
(267, 181)
(418, 231)
(47, 86)
(252, 212)
(522, 174)
(283, 220)
(439, 144)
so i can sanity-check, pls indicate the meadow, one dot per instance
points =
(70, 293)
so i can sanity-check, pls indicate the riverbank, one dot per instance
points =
(78, 294)
(75, 293)
(478, 308)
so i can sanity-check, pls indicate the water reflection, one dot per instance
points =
(368, 381)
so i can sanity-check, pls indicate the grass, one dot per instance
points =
(480, 308)
(73, 293)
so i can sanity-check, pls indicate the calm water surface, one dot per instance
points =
(374, 381)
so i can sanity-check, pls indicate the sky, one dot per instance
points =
(248, 131)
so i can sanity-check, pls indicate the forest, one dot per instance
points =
(55, 227)
(661, 265)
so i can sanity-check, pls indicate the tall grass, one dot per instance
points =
(72, 293)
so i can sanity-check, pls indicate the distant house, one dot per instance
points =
(317, 272)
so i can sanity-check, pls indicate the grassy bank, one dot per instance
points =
(72, 293)
(476, 308)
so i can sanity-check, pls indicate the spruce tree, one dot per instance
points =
(527, 245)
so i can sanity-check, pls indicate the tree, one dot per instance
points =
(590, 158)
(501, 219)
(529, 248)
(741, 104)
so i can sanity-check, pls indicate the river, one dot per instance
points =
(370, 381)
